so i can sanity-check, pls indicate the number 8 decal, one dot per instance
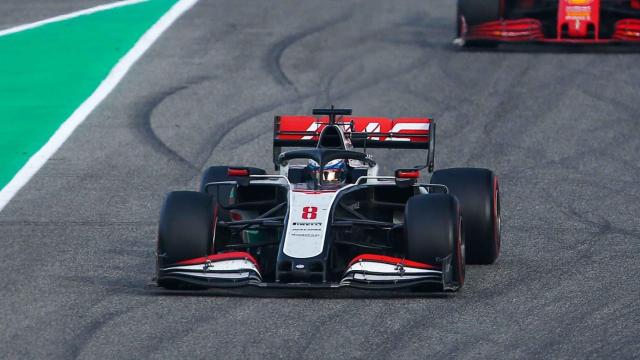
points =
(309, 212)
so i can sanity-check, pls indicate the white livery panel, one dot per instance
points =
(309, 214)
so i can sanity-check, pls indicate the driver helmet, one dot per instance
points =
(334, 171)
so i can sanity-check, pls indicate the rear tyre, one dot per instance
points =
(433, 230)
(185, 230)
(476, 12)
(478, 193)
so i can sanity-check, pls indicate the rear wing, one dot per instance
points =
(363, 132)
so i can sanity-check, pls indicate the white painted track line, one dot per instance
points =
(36, 162)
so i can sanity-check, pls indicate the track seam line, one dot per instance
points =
(117, 73)
(68, 16)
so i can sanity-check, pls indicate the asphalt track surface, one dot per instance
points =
(18, 12)
(559, 127)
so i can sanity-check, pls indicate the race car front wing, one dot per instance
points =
(531, 30)
(367, 271)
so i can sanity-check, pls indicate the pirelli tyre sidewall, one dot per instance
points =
(478, 194)
(185, 229)
(434, 230)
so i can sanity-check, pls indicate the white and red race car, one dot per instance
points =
(327, 219)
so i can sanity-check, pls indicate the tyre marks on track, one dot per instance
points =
(274, 55)
(90, 330)
(143, 123)
(323, 94)
(222, 130)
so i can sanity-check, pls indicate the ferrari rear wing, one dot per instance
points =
(363, 132)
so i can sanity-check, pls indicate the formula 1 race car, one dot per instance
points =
(487, 22)
(327, 219)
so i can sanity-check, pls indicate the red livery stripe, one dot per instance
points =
(235, 255)
(392, 260)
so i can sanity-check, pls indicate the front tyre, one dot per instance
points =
(185, 230)
(434, 230)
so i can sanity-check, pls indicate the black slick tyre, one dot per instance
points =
(433, 230)
(477, 12)
(185, 230)
(478, 194)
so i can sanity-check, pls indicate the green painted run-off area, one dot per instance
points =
(48, 72)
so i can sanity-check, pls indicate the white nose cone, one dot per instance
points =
(307, 226)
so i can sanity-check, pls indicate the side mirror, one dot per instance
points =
(406, 177)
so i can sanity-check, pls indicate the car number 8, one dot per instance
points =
(309, 212)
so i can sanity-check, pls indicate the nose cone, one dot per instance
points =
(578, 18)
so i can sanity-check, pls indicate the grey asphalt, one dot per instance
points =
(560, 128)
(18, 12)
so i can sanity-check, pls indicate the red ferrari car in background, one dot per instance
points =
(489, 22)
